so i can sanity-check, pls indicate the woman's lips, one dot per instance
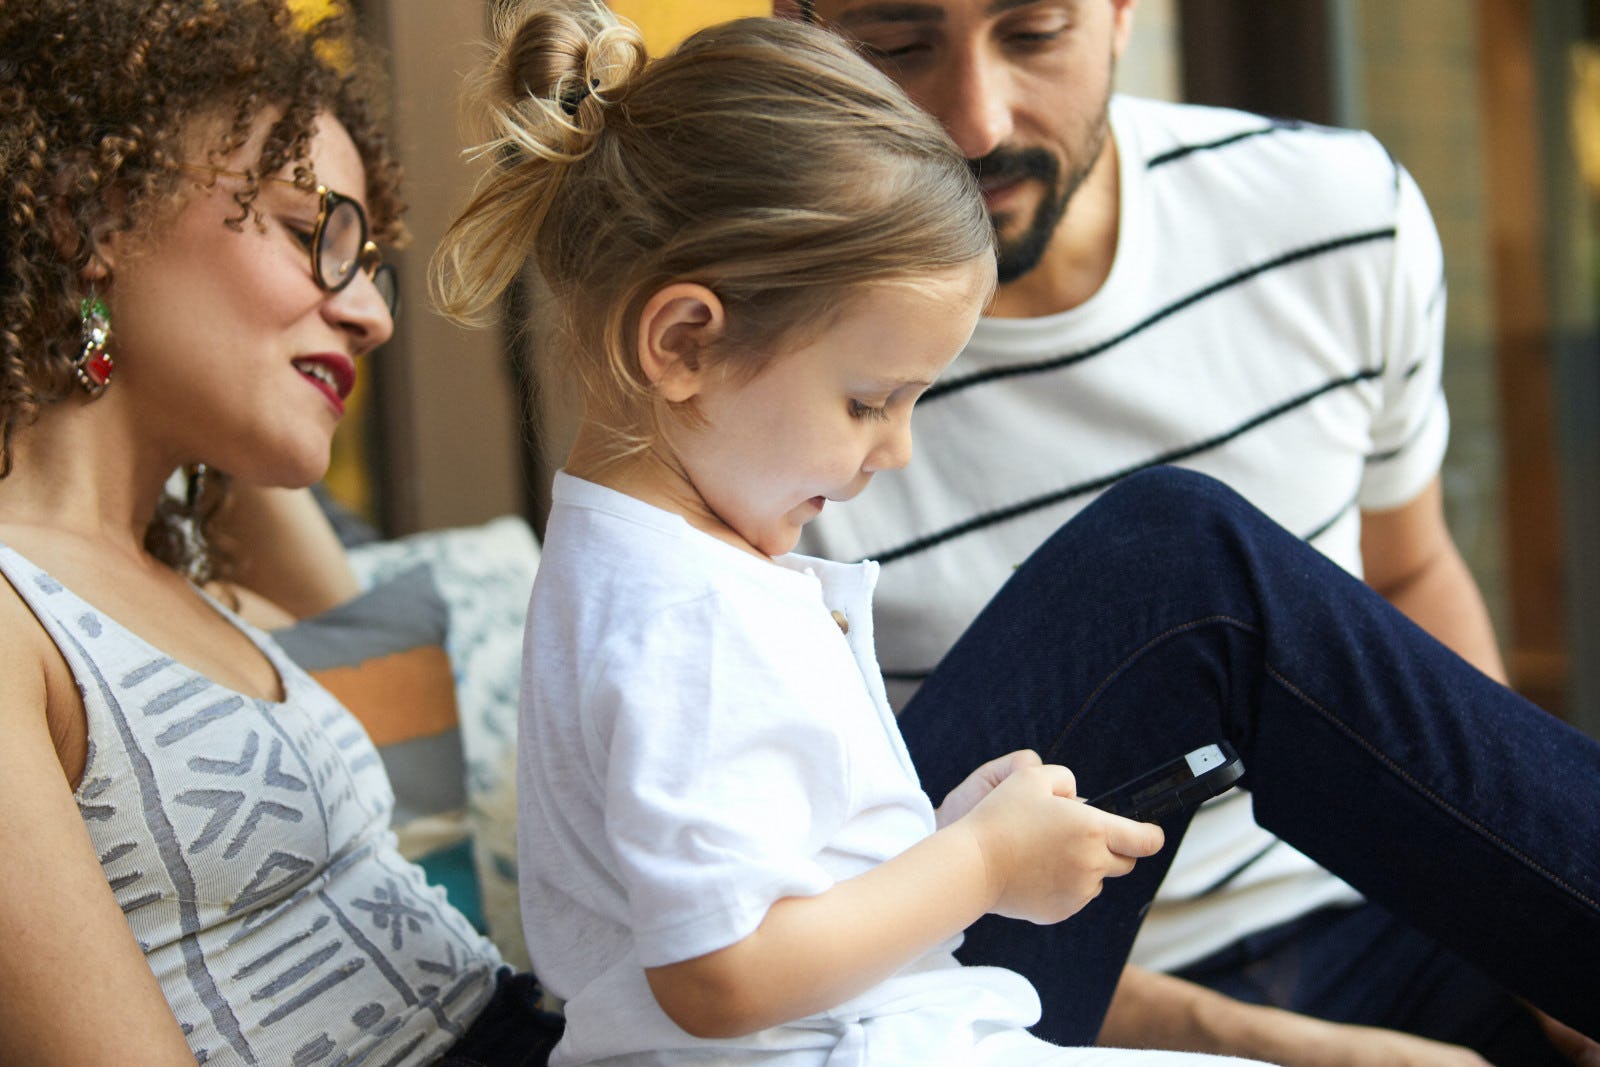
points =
(333, 373)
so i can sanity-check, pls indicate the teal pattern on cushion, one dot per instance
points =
(452, 869)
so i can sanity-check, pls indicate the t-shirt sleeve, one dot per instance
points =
(721, 779)
(1409, 434)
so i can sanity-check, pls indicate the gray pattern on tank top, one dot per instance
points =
(235, 768)
(171, 853)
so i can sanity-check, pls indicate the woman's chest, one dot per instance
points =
(203, 799)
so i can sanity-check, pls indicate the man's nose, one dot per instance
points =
(973, 100)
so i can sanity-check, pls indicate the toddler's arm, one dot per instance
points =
(1028, 849)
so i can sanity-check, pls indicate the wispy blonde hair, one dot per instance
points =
(762, 158)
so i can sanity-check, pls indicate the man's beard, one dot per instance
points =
(1018, 255)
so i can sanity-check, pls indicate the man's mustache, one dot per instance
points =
(1013, 164)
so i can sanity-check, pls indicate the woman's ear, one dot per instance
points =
(98, 269)
(111, 245)
(676, 325)
(106, 240)
(100, 257)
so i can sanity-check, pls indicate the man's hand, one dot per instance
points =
(1157, 1011)
(1571, 1044)
(1339, 1045)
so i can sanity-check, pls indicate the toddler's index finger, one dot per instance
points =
(1064, 783)
(1134, 839)
(1023, 757)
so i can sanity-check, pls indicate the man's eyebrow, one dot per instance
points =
(910, 11)
(1000, 7)
(891, 11)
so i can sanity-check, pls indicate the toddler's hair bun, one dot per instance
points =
(557, 56)
(557, 67)
(544, 56)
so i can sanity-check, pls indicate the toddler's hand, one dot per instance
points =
(981, 782)
(1046, 852)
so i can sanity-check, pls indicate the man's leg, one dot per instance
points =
(1171, 613)
(1361, 965)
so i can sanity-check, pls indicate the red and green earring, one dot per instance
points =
(93, 365)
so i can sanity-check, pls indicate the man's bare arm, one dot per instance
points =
(1158, 1011)
(1410, 558)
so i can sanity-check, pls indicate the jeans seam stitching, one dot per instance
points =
(1272, 672)
(1444, 805)
(1138, 653)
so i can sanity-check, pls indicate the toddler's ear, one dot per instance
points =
(677, 324)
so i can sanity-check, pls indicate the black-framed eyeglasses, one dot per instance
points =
(339, 246)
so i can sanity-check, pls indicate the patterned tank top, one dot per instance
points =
(248, 844)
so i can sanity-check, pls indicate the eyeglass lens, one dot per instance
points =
(342, 251)
(388, 288)
(343, 234)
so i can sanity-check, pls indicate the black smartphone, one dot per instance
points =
(1182, 783)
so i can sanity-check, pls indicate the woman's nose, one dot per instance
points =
(361, 310)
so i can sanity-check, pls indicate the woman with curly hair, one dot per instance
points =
(195, 860)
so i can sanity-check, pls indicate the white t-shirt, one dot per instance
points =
(698, 740)
(1274, 317)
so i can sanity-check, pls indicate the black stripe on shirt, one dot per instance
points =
(999, 515)
(1411, 439)
(1223, 882)
(946, 387)
(1436, 298)
(1324, 527)
(1435, 302)
(1274, 126)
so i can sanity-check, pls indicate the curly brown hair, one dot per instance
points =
(99, 102)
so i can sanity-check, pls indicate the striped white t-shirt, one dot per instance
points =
(1274, 317)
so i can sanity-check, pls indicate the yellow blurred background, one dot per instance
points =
(666, 22)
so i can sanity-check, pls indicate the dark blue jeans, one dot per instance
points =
(1171, 613)
(511, 1031)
